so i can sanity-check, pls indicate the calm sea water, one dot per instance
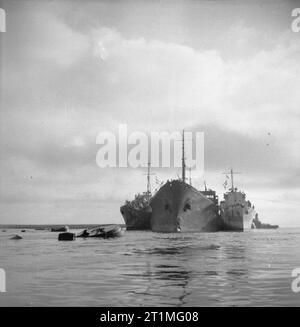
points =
(151, 269)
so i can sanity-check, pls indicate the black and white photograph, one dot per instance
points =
(149, 155)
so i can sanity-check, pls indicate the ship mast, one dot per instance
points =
(231, 177)
(148, 179)
(183, 159)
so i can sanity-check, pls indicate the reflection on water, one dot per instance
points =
(173, 275)
(144, 269)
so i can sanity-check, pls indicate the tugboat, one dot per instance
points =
(257, 224)
(236, 212)
(179, 207)
(137, 213)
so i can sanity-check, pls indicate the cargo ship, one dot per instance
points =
(179, 207)
(137, 213)
(236, 212)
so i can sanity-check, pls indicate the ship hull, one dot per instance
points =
(178, 207)
(136, 219)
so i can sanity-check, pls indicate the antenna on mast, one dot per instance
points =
(190, 177)
(148, 178)
(231, 177)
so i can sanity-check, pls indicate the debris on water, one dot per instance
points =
(84, 233)
(103, 231)
(16, 237)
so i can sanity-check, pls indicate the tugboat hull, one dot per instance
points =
(179, 207)
(136, 219)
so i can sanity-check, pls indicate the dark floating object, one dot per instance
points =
(66, 237)
(60, 229)
(23, 230)
(4, 230)
(102, 231)
(16, 237)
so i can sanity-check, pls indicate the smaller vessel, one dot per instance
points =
(257, 224)
(60, 229)
(236, 212)
(103, 231)
(137, 213)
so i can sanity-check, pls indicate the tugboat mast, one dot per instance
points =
(231, 173)
(183, 159)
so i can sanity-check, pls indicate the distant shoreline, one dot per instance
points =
(71, 226)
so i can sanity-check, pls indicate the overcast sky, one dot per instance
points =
(72, 69)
